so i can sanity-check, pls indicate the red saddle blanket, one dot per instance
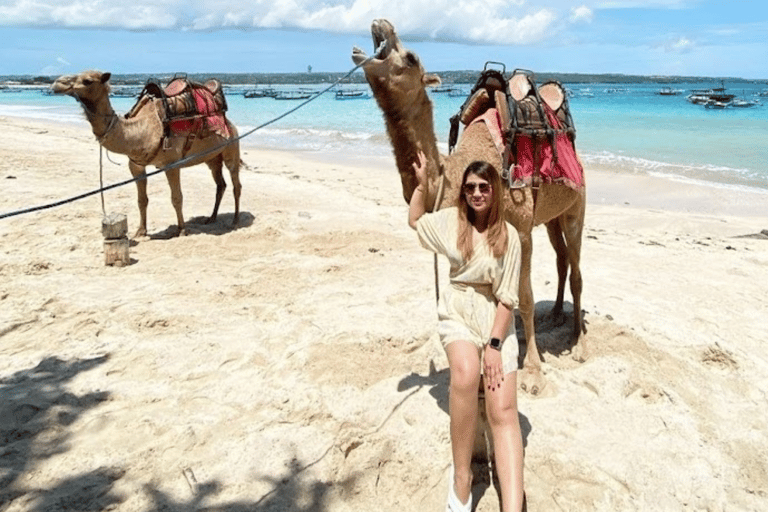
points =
(556, 164)
(197, 110)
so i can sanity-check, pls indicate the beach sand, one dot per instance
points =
(292, 363)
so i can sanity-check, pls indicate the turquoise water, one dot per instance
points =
(628, 127)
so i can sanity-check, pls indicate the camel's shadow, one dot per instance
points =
(199, 226)
(554, 334)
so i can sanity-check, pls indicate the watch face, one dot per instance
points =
(495, 342)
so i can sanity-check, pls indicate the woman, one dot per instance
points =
(476, 324)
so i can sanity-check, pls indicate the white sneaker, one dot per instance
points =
(454, 503)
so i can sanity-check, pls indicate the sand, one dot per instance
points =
(292, 364)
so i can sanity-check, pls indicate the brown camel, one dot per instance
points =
(399, 82)
(141, 138)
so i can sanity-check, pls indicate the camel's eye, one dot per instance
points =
(411, 58)
(87, 81)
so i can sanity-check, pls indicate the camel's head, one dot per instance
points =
(395, 73)
(88, 87)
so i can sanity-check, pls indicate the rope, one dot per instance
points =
(180, 163)
(101, 180)
(435, 207)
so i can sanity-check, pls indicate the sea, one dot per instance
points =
(628, 127)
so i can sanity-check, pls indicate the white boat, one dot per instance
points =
(351, 95)
(712, 98)
(668, 91)
(266, 92)
(742, 103)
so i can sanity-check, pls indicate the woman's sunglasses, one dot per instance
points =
(469, 188)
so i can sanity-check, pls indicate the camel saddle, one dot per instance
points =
(532, 127)
(189, 108)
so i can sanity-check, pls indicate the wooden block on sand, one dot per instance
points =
(116, 252)
(114, 225)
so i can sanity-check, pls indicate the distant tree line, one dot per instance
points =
(448, 77)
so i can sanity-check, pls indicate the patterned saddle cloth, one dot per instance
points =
(189, 108)
(532, 128)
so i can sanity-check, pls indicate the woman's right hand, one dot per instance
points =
(418, 201)
(420, 169)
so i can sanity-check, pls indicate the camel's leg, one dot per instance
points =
(143, 200)
(215, 165)
(531, 379)
(558, 243)
(232, 161)
(174, 181)
(572, 226)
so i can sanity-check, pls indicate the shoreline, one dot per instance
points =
(607, 185)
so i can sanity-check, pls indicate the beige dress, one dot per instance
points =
(467, 309)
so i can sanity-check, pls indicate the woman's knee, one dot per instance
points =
(500, 413)
(465, 377)
(501, 404)
(464, 364)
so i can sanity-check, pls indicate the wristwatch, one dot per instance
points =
(495, 344)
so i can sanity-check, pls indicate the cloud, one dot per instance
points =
(680, 45)
(472, 21)
(581, 13)
(644, 4)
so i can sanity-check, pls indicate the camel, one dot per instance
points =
(141, 138)
(398, 81)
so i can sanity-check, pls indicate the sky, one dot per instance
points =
(719, 38)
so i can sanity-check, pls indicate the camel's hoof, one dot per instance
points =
(580, 352)
(532, 381)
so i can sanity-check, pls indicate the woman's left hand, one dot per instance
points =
(493, 369)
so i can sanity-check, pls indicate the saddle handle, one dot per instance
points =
(527, 72)
(503, 66)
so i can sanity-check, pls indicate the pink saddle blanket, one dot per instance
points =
(563, 167)
(209, 116)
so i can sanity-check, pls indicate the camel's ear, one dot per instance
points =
(105, 77)
(431, 80)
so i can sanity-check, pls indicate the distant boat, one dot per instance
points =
(443, 89)
(457, 92)
(742, 103)
(351, 95)
(712, 98)
(716, 104)
(668, 91)
(292, 95)
(266, 92)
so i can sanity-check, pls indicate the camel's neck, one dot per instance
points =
(100, 114)
(412, 130)
(132, 137)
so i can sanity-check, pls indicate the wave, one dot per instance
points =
(690, 173)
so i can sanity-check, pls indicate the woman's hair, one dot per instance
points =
(497, 228)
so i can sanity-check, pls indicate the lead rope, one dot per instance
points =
(101, 179)
(435, 207)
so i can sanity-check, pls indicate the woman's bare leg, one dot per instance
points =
(464, 363)
(501, 408)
